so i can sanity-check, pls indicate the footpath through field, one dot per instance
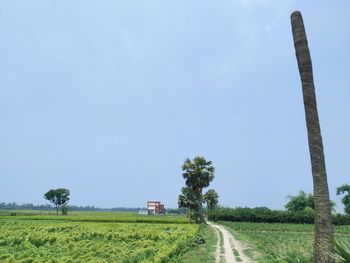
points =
(228, 247)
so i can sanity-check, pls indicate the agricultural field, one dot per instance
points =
(280, 242)
(92, 217)
(94, 237)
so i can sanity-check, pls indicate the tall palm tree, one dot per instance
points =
(198, 174)
(323, 218)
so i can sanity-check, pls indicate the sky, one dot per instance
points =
(108, 98)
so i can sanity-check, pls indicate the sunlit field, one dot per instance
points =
(281, 242)
(93, 237)
(92, 216)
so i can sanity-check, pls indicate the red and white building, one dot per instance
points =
(155, 207)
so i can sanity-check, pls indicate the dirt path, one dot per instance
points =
(217, 250)
(233, 249)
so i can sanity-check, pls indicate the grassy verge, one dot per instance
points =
(203, 253)
(275, 242)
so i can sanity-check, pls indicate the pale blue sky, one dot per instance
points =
(107, 98)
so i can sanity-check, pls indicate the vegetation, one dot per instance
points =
(36, 239)
(266, 215)
(281, 242)
(187, 200)
(342, 251)
(323, 243)
(211, 198)
(303, 201)
(102, 217)
(198, 173)
(203, 252)
(345, 189)
(58, 197)
(300, 202)
(47, 207)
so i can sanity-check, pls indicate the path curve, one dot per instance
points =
(229, 244)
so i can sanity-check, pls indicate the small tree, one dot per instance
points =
(304, 202)
(211, 198)
(345, 189)
(198, 173)
(187, 200)
(58, 197)
(300, 202)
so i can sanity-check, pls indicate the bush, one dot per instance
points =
(266, 215)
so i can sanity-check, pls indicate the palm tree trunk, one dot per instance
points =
(200, 211)
(323, 219)
(200, 206)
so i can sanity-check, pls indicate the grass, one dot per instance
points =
(127, 217)
(238, 259)
(280, 242)
(249, 252)
(94, 237)
(236, 254)
(203, 253)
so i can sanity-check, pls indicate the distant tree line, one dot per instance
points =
(299, 209)
(25, 206)
(266, 215)
(29, 206)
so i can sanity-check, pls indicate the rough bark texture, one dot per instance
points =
(323, 219)
(199, 212)
(200, 209)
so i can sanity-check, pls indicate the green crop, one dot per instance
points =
(36, 239)
(281, 242)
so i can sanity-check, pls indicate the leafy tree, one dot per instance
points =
(303, 201)
(300, 202)
(187, 200)
(211, 198)
(345, 189)
(198, 173)
(58, 197)
(323, 242)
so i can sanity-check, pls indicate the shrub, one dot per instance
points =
(266, 215)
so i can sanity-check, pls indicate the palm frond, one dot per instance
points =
(342, 251)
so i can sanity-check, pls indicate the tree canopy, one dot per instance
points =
(198, 173)
(187, 200)
(345, 189)
(303, 201)
(211, 198)
(300, 202)
(58, 197)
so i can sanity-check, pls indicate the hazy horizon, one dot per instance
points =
(108, 98)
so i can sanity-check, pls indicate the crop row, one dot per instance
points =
(281, 242)
(92, 217)
(49, 241)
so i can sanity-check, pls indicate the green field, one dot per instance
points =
(280, 242)
(92, 217)
(94, 237)
(29, 236)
